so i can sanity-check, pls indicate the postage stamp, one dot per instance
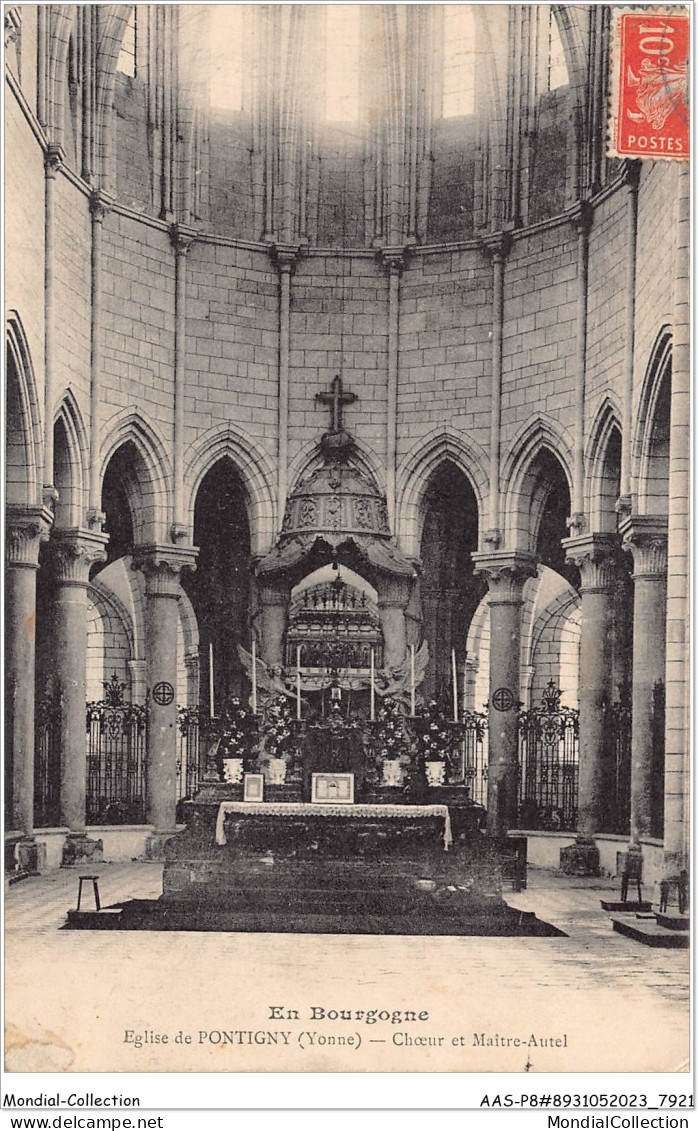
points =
(648, 113)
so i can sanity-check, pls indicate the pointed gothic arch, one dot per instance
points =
(602, 462)
(650, 449)
(23, 419)
(70, 461)
(541, 435)
(416, 469)
(151, 474)
(256, 471)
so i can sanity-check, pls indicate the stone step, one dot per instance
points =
(673, 921)
(629, 905)
(649, 932)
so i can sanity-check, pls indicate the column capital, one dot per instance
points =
(506, 572)
(162, 566)
(392, 259)
(73, 552)
(497, 246)
(101, 204)
(285, 256)
(596, 558)
(181, 238)
(645, 536)
(25, 529)
(54, 159)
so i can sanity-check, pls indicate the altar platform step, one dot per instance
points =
(158, 915)
(650, 932)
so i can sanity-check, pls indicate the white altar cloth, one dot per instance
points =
(306, 808)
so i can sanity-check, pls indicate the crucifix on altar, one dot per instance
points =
(336, 399)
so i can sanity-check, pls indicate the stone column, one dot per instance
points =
(595, 557)
(393, 597)
(162, 566)
(274, 598)
(25, 529)
(645, 536)
(506, 573)
(72, 553)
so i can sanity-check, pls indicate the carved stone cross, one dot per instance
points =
(336, 399)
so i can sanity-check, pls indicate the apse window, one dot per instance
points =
(459, 59)
(342, 62)
(126, 63)
(226, 56)
(552, 67)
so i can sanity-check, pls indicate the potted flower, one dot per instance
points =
(236, 740)
(277, 734)
(391, 743)
(435, 737)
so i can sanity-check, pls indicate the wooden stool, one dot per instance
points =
(81, 879)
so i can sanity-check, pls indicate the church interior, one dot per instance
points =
(347, 450)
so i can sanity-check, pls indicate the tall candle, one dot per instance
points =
(211, 710)
(254, 676)
(298, 682)
(412, 687)
(373, 688)
(455, 685)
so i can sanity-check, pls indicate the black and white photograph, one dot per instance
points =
(347, 516)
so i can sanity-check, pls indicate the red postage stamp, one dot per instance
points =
(649, 114)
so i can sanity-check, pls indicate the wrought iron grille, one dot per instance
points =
(549, 764)
(116, 744)
(617, 734)
(469, 768)
(188, 752)
(47, 763)
(658, 751)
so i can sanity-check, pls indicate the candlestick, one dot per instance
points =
(254, 676)
(298, 682)
(455, 685)
(211, 710)
(412, 687)
(373, 688)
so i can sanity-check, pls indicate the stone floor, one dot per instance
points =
(592, 1001)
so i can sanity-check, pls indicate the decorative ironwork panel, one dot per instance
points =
(617, 736)
(658, 751)
(549, 764)
(469, 767)
(116, 746)
(47, 763)
(188, 753)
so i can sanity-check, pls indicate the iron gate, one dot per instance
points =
(470, 767)
(549, 764)
(188, 752)
(47, 763)
(116, 743)
(617, 737)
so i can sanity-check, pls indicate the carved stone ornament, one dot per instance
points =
(25, 530)
(73, 552)
(596, 558)
(506, 573)
(645, 536)
(162, 567)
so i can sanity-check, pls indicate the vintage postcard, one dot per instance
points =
(347, 443)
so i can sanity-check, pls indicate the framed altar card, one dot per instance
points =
(332, 789)
(253, 787)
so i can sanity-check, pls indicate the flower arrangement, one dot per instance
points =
(437, 736)
(389, 737)
(277, 729)
(238, 728)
